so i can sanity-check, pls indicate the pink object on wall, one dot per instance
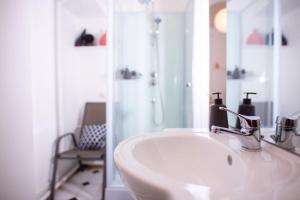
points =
(255, 38)
(102, 40)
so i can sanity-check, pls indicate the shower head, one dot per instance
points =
(144, 2)
(157, 20)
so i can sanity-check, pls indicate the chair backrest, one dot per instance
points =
(94, 113)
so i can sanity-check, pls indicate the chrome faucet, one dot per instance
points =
(285, 130)
(248, 135)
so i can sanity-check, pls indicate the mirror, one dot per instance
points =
(260, 49)
(250, 57)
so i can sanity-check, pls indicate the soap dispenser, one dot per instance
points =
(246, 108)
(218, 117)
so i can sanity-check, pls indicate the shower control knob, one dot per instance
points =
(153, 82)
(154, 74)
(188, 84)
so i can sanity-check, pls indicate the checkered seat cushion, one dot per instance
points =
(93, 137)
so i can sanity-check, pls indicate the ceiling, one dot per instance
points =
(99, 8)
(87, 8)
(159, 5)
(266, 6)
(289, 6)
(238, 5)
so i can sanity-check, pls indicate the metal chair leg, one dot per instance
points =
(81, 166)
(104, 178)
(80, 163)
(52, 184)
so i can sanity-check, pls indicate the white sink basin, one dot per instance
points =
(188, 166)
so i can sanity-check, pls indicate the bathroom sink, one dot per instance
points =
(203, 166)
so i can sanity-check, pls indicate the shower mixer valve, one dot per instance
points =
(153, 82)
(154, 76)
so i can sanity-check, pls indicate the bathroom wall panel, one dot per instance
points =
(16, 117)
(44, 91)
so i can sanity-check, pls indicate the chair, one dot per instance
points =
(94, 113)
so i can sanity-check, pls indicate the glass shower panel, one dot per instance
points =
(188, 91)
(250, 56)
(152, 70)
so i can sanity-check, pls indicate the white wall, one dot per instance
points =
(43, 79)
(201, 68)
(89, 84)
(217, 53)
(82, 70)
(16, 116)
(28, 125)
(28, 122)
(218, 56)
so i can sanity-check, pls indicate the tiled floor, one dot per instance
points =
(84, 185)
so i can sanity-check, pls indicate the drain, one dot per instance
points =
(229, 160)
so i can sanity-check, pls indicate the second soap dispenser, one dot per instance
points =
(218, 117)
(246, 108)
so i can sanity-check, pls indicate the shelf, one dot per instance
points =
(91, 47)
(90, 52)
(261, 46)
(257, 45)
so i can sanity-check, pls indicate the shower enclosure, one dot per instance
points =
(153, 68)
(152, 82)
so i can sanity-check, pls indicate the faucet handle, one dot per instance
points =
(295, 115)
(247, 122)
(289, 121)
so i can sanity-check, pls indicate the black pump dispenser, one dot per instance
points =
(246, 108)
(218, 117)
(218, 100)
(247, 100)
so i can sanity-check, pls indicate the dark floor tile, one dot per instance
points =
(86, 183)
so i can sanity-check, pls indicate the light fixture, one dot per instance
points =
(221, 20)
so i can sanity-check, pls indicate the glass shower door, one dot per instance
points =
(153, 89)
(188, 78)
(152, 86)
